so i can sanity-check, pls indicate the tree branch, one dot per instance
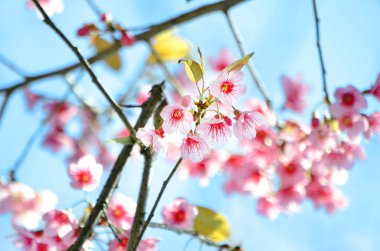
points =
(144, 36)
(86, 66)
(138, 220)
(113, 178)
(251, 67)
(194, 234)
(10, 65)
(321, 61)
(162, 190)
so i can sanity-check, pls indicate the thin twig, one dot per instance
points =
(318, 38)
(4, 104)
(144, 36)
(138, 220)
(251, 67)
(86, 66)
(111, 226)
(193, 234)
(12, 66)
(114, 177)
(28, 146)
(94, 8)
(162, 190)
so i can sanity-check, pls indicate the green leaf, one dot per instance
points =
(237, 65)
(212, 225)
(193, 70)
(123, 141)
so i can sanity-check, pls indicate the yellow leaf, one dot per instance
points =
(169, 47)
(212, 225)
(113, 60)
(237, 65)
(193, 70)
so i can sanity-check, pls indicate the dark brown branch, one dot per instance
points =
(251, 67)
(138, 220)
(86, 66)
(318, 38)
(193, 234)
(144, 36)
(162, 190)
(113, 178)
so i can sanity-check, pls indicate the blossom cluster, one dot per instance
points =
(204, 120)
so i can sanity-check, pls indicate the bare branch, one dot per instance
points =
(318, 38)
(251, 67)
(4, 104)
(138, 220)
(162, 190)
(144, 36)
(86, 66)
(113, 178)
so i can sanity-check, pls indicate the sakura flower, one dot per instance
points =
(31, 98)
(268, 207)
(295, 93)
(148, 244)
(63, 112)
(176, 117)
(86, 174)
(290, 197)
(215, 131)
(151, 137)
(353, 124)
(292, 172)
(58, 223)
(221, 61)
(121, 211)
(127, 39)
(348, 100)
(255, 105)
(246, 123)
(194, 148)
(373, 125)
(50, 6)
(226, 89)
(180, 214)
(31, 240)
(375, 89)
(56, 139)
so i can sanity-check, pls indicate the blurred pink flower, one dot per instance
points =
(375, 89)
(51, 7)
(246, 123)
(86, 174)
(373, 125)
(180, 214)
(121, 211)
(221, 61)
(295, 93)
(151, 138)
(349, 100)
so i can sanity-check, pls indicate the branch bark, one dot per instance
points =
(144, 36)
(113, 178)
(86, 66)
(319, 47)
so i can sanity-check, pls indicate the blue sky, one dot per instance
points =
(283, 37)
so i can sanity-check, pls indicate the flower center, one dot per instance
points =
(177, 114)
(348, 99)
(290, 168)
(227, 87)
(180, 216)
(118, 212)
(347, 121)
(84, 177)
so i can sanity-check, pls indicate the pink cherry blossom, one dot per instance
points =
(375, 89)
(255, 105)
(349, 100)
(221, 61)
(63, 112)
(290, 197)
(31, 240)
(50, 6)
(127, 39)
(373, 125)
(176, 117)
(246, 123)
(31, 98)
(86, 174)
(226, 89)
(268, 207)
(180, 214)
(292, 172)
(353, 124)
(121, 211)
(194, 148)
(214, 131)
(295, 93)
(151, 138)
(56, 139)
(58, 223)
